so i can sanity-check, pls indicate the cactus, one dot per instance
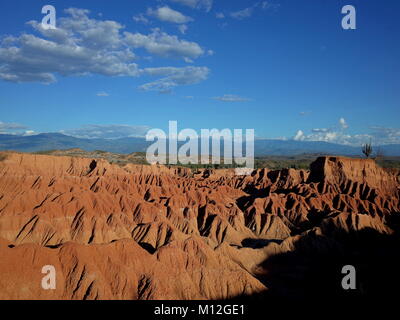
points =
(367, 149)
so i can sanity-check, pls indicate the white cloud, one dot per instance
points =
(83, 46)
(231, 98)
(30, 133)
(338, 134)
(343, 123)
(196, 4)
(140, 18)
(265, 5)
(242, 14)
(334, 134)
(219, 15)
(385, 135)
(112, 131)
(183, 28)
(320, 130)
(325, 135)
(5, 126)
(14, 128)
(248, 12)
(164, 45)
(299, 136)
(77, 47)
(172, 77)
(102, 94)
(167, 14)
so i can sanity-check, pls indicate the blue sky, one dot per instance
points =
(285, 68)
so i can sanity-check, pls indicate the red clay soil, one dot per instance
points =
(152, 232)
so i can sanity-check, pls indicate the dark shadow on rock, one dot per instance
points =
(54, 246)
(258, 243)
(148, 247)
(92, 166)
(312, 271)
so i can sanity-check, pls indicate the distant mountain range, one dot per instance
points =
(52, 141)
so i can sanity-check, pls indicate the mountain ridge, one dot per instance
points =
(51, 141)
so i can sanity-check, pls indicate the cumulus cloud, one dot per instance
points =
(83, 46)
(335, 134)
(172, 77)
(299, 136)
(167, 14)
(231, 98)
(78, 46)
(385, 135)
(113, 131)
(325, 135)
(343, 123)
(196, 4)
(339, 134)
(164, 45)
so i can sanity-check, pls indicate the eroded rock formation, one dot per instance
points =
(152, 232)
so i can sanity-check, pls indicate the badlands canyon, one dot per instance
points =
(156, 232)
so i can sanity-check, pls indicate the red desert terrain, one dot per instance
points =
(152, 232)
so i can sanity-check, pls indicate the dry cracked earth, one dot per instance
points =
(152, 232)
